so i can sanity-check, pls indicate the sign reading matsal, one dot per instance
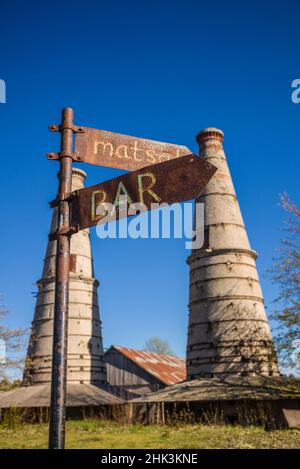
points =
(103, 148)
(169, 182)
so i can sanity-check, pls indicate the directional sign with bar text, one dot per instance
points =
(103, 148)
(169, 182)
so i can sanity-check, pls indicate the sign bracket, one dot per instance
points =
(62, 197)
(76, 129)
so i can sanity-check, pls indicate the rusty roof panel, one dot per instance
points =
(166, 368)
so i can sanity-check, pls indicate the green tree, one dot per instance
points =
(285, 273)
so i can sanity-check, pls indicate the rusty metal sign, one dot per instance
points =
(102, 148)
(168, 182)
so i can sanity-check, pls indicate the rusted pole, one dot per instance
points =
(60, 327)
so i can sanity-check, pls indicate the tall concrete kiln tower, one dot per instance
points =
(85, 349)
(228, 329)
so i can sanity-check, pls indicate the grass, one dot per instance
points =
(98, 434)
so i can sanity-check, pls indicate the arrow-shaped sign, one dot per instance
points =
(169, 182)
(102, 148)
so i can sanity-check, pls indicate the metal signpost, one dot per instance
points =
(60, 327)
(162, 172)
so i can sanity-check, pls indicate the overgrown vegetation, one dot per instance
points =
(99, 434)
(12, 342)
(286, 275)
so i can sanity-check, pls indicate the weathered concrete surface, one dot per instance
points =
(85, 347)
(292, 417)
(230, 388)
(39, 396)
(228, 331)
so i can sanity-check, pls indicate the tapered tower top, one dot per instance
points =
(78, 178)
(209, 133)
(76, 172)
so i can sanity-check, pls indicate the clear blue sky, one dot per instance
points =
(156, 69)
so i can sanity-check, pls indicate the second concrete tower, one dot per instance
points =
(228, 328)
(85, 348)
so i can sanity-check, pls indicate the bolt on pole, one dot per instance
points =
(61, 306)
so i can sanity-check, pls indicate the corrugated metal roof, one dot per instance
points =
(167, 369)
